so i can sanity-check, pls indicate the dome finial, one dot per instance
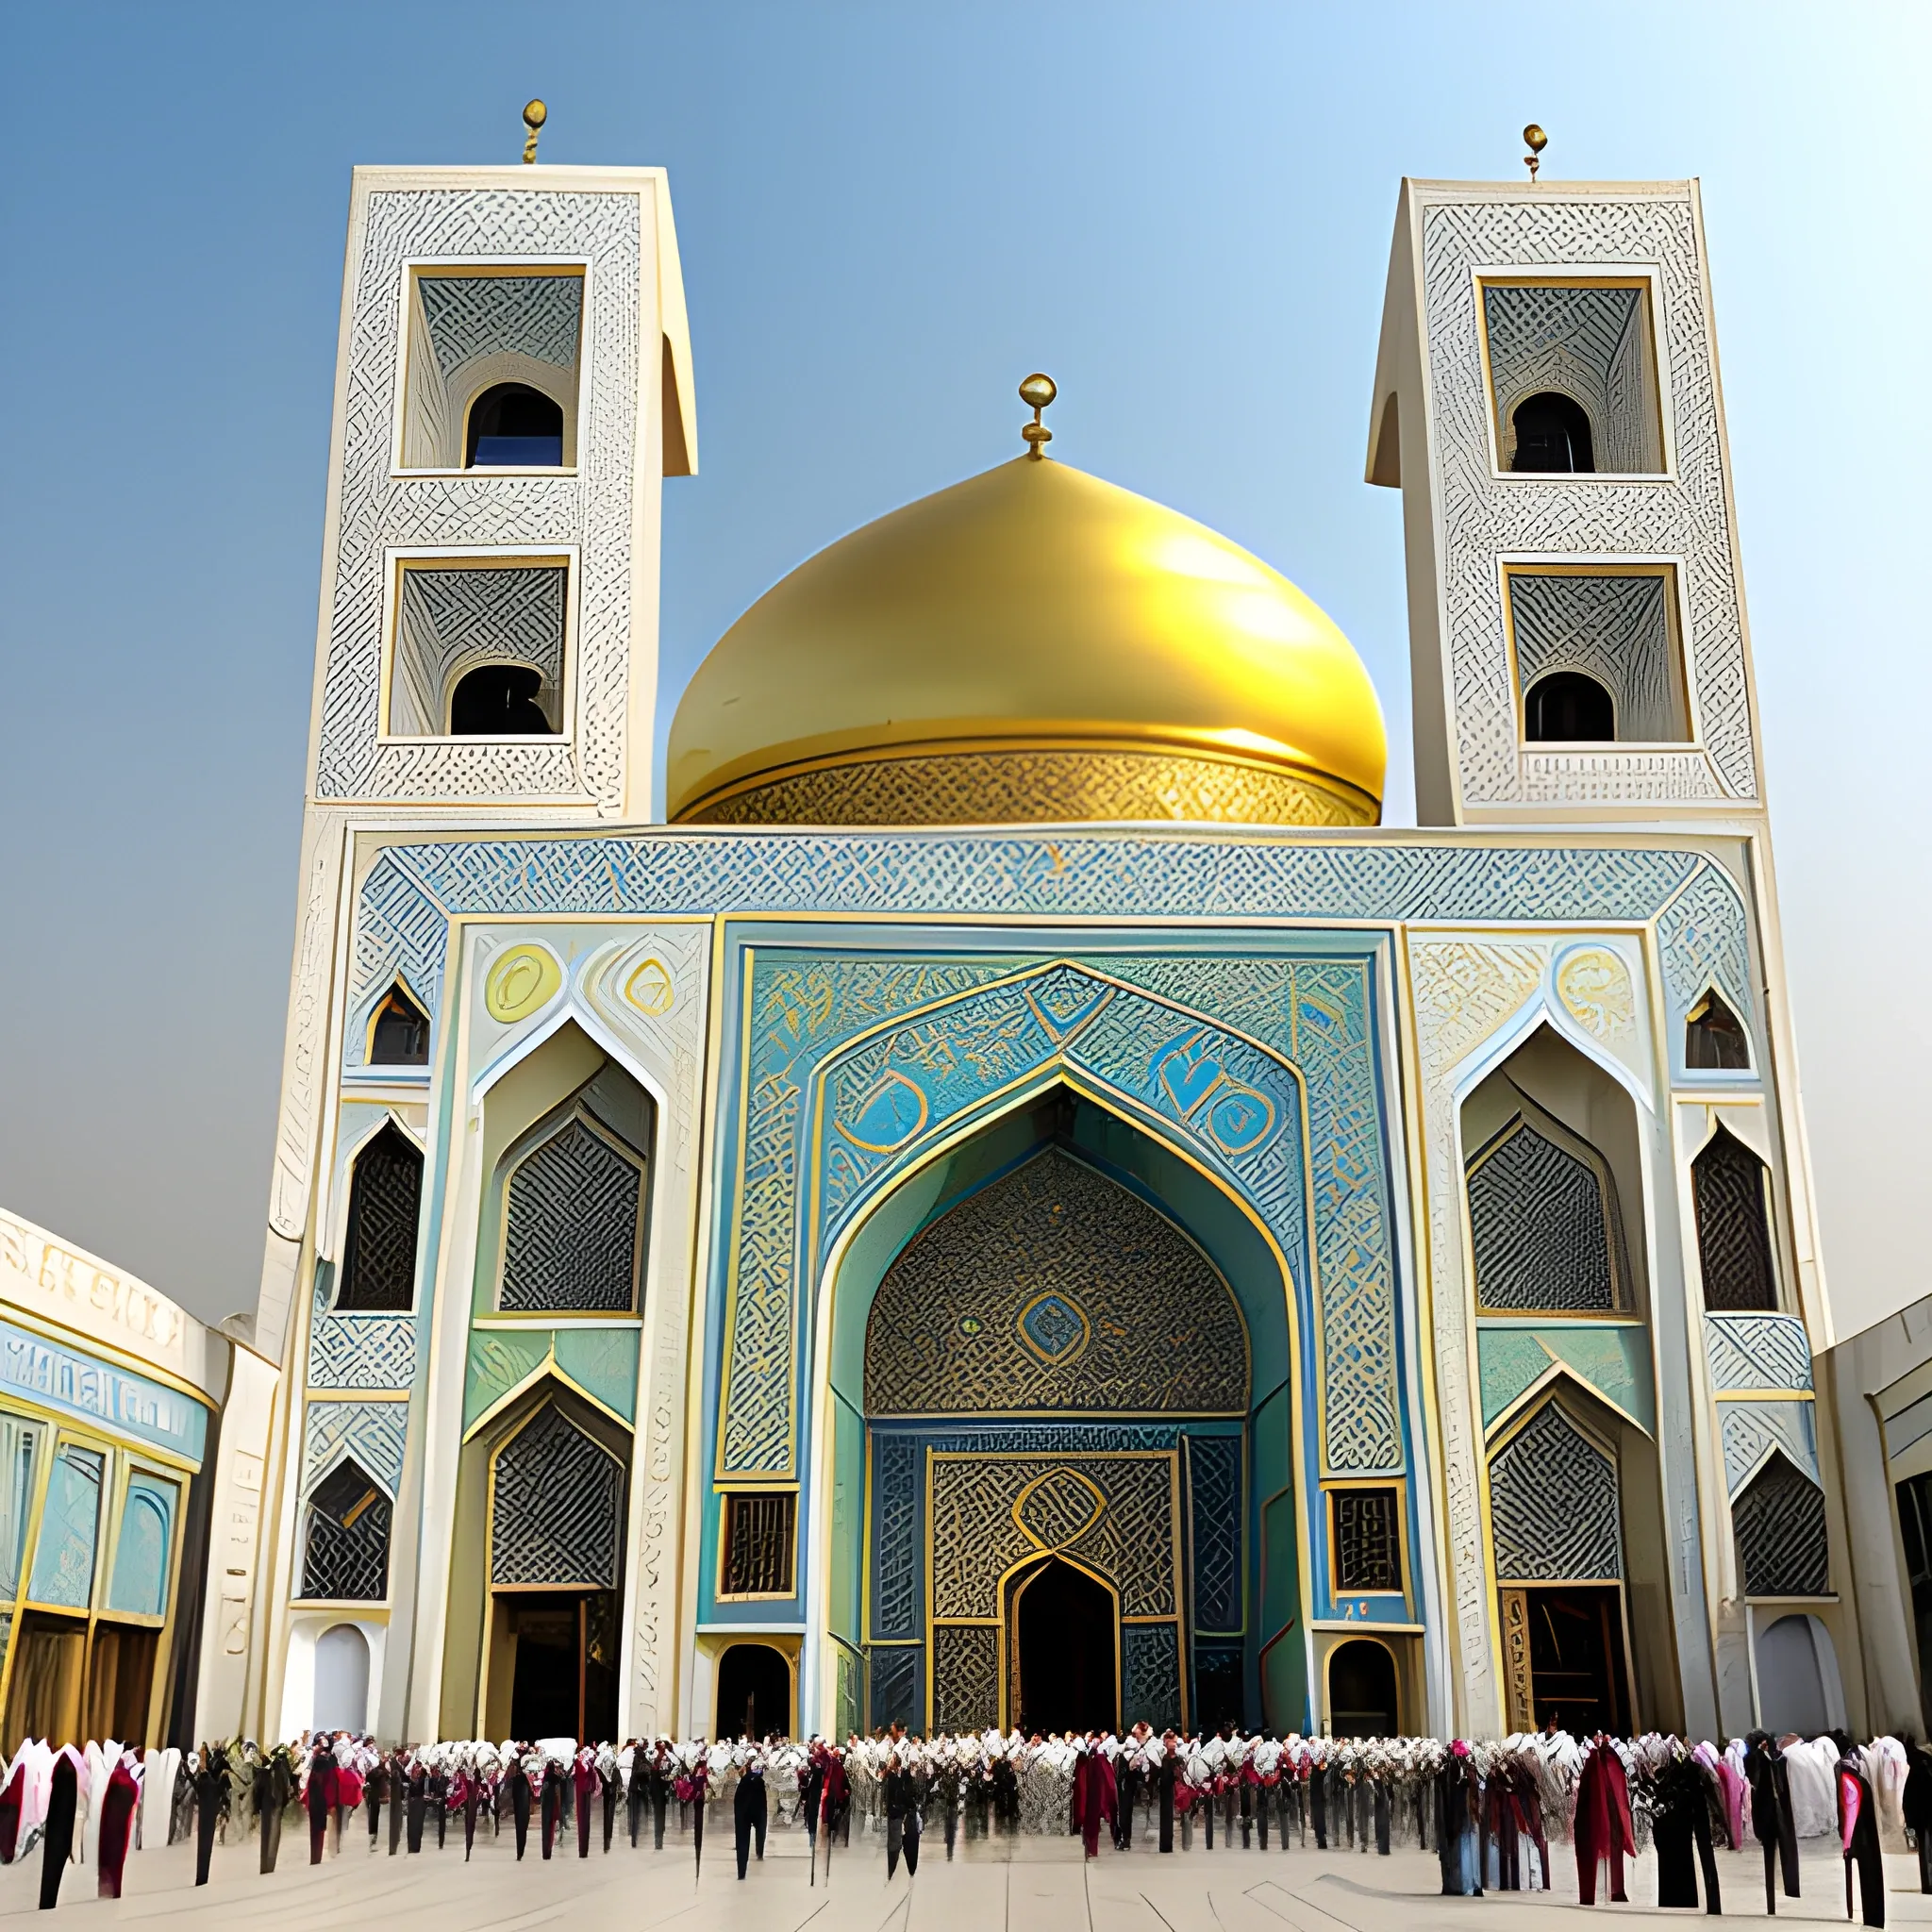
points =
(535, 114)
(1537, 140)
(1037, 391)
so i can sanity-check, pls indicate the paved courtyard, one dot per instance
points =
(1041, 1886)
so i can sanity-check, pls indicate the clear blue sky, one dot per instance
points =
(888, 216)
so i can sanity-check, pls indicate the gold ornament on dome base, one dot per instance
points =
(1036, 784)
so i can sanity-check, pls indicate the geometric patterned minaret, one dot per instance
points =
(1547, 401)
(513, 384)
(1579, 314)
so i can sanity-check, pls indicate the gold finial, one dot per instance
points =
(1036, 392)
(535, 114)
(1538, 141)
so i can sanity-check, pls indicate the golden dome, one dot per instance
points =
(1032, 644)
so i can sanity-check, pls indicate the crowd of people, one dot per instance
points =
(1496, 1813)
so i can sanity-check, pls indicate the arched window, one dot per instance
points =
(347, 1557)
(1542, 1216)
(400, 1035)
(1729, 1185)
(514, 426)
(574, 1224)
(557, 1518)
(1568, 708)
(499, 701)
(1779, 1517)
(379, 1256)
(1551, 434)
(1713, 1040)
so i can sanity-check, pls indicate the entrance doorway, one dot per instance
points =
(1576, 1671)
(561, 1652)
(754, 1692)
(1066, 1650)
(1361, 1691)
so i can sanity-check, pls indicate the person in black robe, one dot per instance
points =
(750, 1811)
(555, 1785)
(373, 1789)
(905, 1793)
(1858, 1827)
(320, 1798)
(519, 1800)
(1318, 1804)
(1165, 1779)
(1005, 1798)
(63, 1802)
(1770, 1779)
(1681, 1797)
(395, 1781)
(417, 1803)
(211, 1782)
(274, 1785)
(608, 1778)
(944, 1794)
(1918, 1809)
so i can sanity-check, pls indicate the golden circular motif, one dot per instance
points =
(649, 988)
(520, 982)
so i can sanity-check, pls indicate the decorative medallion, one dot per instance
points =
(1059, 1509)
(520, 982)
(1595, 985)
(649, 988)
(1054, 1328)
(887, 1115)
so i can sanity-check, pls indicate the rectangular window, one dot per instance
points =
(478, 647)
(494, 368)
(758, 1543)
(1598, 654)
(1573, 375)
(1365, 1541)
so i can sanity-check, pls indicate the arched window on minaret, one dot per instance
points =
(379, 1253)
(1731, 1188)
(1568, 708)
(1714, 1041)
(399, 1032)
(1552, 435)
(498, 701)
(514, 427)
(346, 1558)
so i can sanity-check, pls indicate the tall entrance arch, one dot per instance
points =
(1067, 1353)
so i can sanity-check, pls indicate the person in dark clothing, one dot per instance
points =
(417, 1805)
(1770, 1779)
(1858, 1828)
(1918, 1809)
(554, 1787)
(811, 1791)
(320, 1798)
(904, 1795)
(1169, 1771)
(749, 1810)
(1684, 1804)
(274, 1785)
(63, 1802)
(519, 1801)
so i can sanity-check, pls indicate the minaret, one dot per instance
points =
(513, 382)
(1547, 401)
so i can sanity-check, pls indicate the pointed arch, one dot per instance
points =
(1715, 1039)
(398, 1032)
(1780, 1520)
(379, 1236)
(556, 1506)
(1553, 1501)
(346, 1556)
(1730, 1191)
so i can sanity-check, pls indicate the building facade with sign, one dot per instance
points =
(110, 1405)
(1024, 1202)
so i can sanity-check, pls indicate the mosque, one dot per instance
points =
(1024, 1202)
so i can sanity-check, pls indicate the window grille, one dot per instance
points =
(347, 1558)
(758, 1545)
(572, 1225)
(559, 1508)
(1727, 1183)
(1779, 1517)
(1368, 1541)
(379, 1256)
(1540, 1217)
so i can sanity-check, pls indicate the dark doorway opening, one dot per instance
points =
(499, 701)
(1569, 708)
(1217, 1687)
(1552, 435)
(1576, 1659)
(754, 1692)
(514, 424)
(565, 1645)
(1361, 1691)
(1067, 1648)
(121, 1677)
